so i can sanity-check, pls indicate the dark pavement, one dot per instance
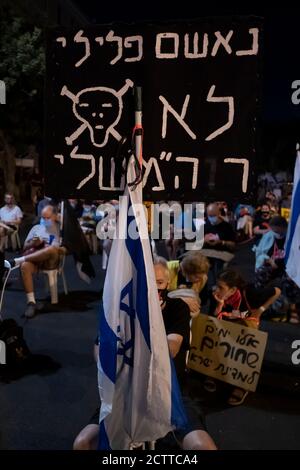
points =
(46, 409)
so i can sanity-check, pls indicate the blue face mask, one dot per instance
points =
(45, 222)
(213, 219)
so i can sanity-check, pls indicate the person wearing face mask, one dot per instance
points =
(270, 252)
(234, 300)
(261, 222)
(177, 325)
(42, 250)
(219, 241)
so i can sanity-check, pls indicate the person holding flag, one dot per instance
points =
(140, 396)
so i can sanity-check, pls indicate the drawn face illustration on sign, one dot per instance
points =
(99, 109)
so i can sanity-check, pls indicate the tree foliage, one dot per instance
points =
(22, 64)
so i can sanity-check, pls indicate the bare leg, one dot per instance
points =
(27, 270)
(87, 439)
(50, 252)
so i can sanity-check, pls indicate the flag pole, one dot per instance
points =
(62, 207)
(137, 138)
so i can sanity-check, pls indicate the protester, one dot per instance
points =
(42, 250)
(190, 272)
(242, 303)
(270, 253)
(176, 320)
(261, 221)
(219, 241)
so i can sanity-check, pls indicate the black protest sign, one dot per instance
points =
(227, 351)
(200, 89)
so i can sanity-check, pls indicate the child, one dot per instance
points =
(234, 300)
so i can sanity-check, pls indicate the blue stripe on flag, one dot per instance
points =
(135, 251)
(178, 416)
(293, 221)
(108, 347)
(103, 438)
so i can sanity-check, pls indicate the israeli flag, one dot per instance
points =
(140, 397)
(292, 246)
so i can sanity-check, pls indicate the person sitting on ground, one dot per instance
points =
(176, 320)
(42, 250)
(177, 325)
(261, 221)
(189, 273)
(270, 253)
(236, 301)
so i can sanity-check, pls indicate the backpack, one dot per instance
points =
(16, 349)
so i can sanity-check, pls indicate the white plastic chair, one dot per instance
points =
(52, 280)
(14, 240)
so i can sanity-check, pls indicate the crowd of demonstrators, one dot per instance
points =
(195, 281)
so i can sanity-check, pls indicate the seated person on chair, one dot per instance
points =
(42, 250)
(10, 217)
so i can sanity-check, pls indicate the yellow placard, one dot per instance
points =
(285, 213)
(227, 351)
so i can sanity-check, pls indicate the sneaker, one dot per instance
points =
(30, 310)
(11, 264)
(210, 385)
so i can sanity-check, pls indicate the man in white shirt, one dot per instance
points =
(10, 214)
(41, 251)
(10, 218)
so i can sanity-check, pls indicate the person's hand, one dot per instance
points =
(36, 241)
(213, 242)
(193, 304)
(218, 299)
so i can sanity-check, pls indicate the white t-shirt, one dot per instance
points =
(10, 214)
(44, 233)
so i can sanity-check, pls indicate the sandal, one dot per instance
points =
(237, 397)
